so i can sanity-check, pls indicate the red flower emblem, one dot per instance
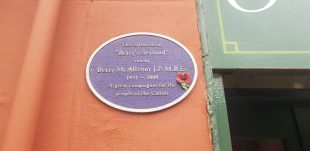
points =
(183, 78)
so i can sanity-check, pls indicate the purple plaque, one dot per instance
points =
(141, 72)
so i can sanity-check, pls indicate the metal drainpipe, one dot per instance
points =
(22, 124)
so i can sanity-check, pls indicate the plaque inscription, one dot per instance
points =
(141, 72)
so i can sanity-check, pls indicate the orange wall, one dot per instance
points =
(16, 19)
(71, 117)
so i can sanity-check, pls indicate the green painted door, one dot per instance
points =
(269, 120)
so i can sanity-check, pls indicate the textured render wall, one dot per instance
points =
(71, 117)
(16, 19)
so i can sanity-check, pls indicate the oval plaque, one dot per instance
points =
(141, 72)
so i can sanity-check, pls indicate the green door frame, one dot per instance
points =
(216, 97)
(218, 112)
(214, 84)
